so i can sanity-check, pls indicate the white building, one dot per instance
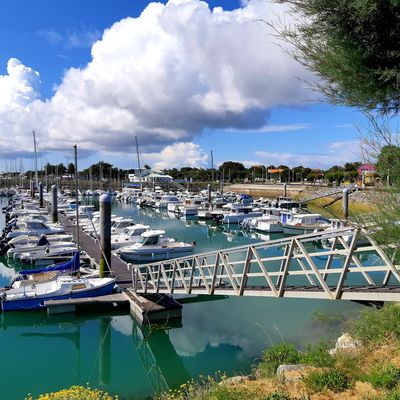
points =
(149, 176)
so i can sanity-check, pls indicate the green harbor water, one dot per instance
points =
(111, 352)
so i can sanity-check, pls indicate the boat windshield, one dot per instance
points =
(147, 241)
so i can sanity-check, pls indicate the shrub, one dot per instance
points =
(210, 389)
(376, 326)
(277, 396)
(332, 379)
(76, 393)
(277, 355)
(393, 395)
(349, 364)
(384, 376)
(318, 356)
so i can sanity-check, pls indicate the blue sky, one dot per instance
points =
(182, 77)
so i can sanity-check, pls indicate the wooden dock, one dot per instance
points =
(145, 308)
(153, 307)
(116, 301)
(88, 244)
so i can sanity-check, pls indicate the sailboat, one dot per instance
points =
(34, 287)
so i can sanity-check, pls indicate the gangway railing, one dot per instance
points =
(344, 263)
(326, 192)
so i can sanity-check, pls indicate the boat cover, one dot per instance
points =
(68, 266)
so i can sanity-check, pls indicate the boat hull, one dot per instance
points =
(297, 230)
(269, 228)
(155, 256)
(37, 303)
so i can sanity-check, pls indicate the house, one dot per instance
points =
(149, 176)
(367, 174)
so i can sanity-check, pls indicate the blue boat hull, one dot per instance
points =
(29, 303)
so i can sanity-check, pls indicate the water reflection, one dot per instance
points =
(114, 353)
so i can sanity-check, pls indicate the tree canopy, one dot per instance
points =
(388, 164)
(353, 46)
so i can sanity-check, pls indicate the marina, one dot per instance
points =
(201, 334)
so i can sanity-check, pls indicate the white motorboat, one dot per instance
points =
(172, 206)
(186, 211)
(129, 236)
(154, 246)
(266, 223)
(37, 228)
(119, 225)
(25, 240)
(305, 223)
(166, 200)
(237, 213)
(46, 254)
(270, 222)
(42, 245)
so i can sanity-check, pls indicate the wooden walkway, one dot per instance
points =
(88, 244)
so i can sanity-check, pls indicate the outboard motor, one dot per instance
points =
(218, 218)
(4, 247)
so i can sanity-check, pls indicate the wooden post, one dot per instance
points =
(105, 234)
(41, 195)
(346, 203)
(32, 187)
(284, 189)
(54, 213)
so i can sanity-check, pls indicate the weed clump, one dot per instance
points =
(384, 376)
(276, 356)
(332, 379)
(377, 326)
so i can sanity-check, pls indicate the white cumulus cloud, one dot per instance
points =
(164, 76)
(178, 155)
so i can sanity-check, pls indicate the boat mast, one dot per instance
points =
(36, 171)
(212, 167)
(138, 160)
(76, 194)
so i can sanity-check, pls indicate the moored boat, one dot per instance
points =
(154, 246)
(33, 297)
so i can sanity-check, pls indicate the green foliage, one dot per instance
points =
(332, 379)
(349, 363)
(277, 355)
(376, 326)
(393, 394)
(278, 396)
(318, 356)
(384, 376)
(388, 164)
(233, 170)
(76, 393)
(216, 389)
(353, 45)
(328, 318)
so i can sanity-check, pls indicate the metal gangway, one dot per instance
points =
(345, 263)
(326, 192)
